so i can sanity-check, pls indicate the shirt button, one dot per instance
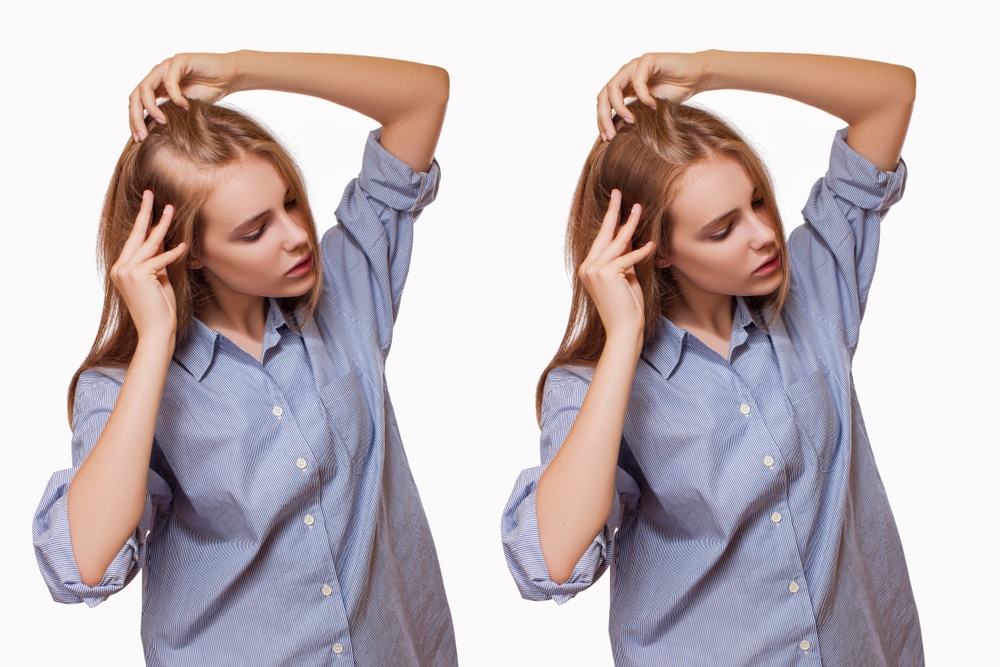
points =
(794, 588)
(745, 409)
(769, 461)
(327, 591)
(338, 648)
(309, 519)
(804, 645)
(277, 411)
(776, 517)
(300, 463)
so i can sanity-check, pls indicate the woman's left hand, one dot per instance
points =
(666, 76)
(204, 76)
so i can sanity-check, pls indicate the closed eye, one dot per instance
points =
(723, 234)
(250, 238)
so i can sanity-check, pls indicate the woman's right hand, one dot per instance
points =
(608, 272)
(140, 274)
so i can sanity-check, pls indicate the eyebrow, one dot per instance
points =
(719, 218)
(249, 223)
(716, 220)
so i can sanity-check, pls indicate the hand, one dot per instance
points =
(666, 76)
(140, 273)
(204, 76)
(608, 272)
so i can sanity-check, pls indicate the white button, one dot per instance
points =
(309, 520)
(776, 517)
(277, 411)
(338, 648)
(769, 461)
(745, 409)
(300, 463)
(327, 591)
(793, 587)
(804, 644)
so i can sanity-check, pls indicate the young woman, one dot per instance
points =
(700, 430)
(232, 432)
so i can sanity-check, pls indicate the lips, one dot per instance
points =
(770, 266)
(302, 267)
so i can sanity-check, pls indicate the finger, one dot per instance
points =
(618, 88)
(136, 120)
(172, 82)
(147, 96)
(607, 231)
(624, 234)
(138, 234)
(159, 230)
(644, 69)
(637, 256)
(605, 123)
(164, 259)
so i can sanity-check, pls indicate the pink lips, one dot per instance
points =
(770, 266)
(302, 267)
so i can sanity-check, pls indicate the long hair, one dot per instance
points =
(179, 162)
(645, 162)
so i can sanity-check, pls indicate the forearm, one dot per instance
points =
(576, 491)
(108, 493)
(875, 99)
(407, 99)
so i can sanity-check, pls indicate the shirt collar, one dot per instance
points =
(664, 351)
(197, 351)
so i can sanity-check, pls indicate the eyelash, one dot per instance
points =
(250, 238)
(756, 203)
(723, 234)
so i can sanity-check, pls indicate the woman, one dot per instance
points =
(232, 432)
(700, 430)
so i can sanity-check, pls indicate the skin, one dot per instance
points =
(723, 243)
(575, 493)
(254, 244)
(107, 496)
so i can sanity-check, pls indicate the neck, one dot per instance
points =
(240, 320)
(711, 320)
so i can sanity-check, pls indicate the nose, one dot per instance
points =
(763, 234)
(295, 235)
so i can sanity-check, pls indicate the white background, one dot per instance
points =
(488, 295)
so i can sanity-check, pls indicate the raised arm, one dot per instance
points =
(575, 493)
(875, 99)
(408, 99)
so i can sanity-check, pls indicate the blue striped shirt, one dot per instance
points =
(282, 524)
(750, 525)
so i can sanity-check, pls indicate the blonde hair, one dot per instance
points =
(645, 161)
(178, 162)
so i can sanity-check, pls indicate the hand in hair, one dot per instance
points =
(608, 272)
(652, 76)
(204, 76)
(140, 274)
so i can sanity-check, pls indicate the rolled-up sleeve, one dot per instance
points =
(564, 394)
(95, 397)
(834, 253)
(367, 255)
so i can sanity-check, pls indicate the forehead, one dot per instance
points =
(710, 188)
(243, 190)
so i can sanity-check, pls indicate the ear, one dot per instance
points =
(661, 261)
(194, 263)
